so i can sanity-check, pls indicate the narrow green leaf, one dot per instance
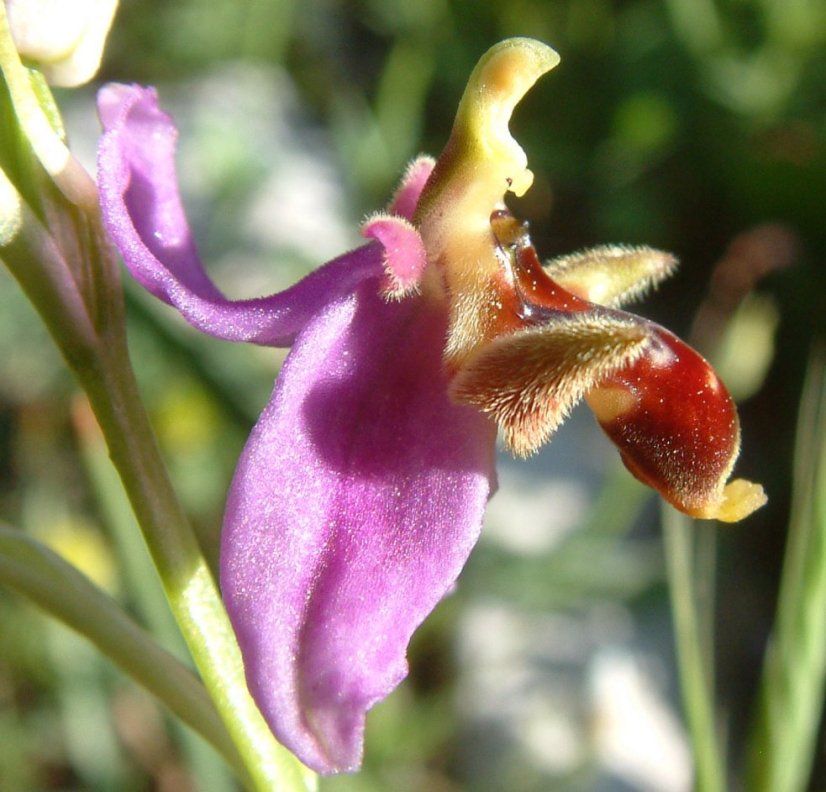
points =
(39, 574)
(792, 687)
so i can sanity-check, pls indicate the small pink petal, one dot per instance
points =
(405, 257)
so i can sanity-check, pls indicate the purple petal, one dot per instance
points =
(355, 505)
(143, 214)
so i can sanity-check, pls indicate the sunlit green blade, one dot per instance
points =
(42, 576)
(792, 687)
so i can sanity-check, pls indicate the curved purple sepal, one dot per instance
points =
(354, 507)
(142, 212)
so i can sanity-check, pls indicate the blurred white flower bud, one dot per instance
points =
(64, 38)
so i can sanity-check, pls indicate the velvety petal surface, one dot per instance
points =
(143, 213)
(354, 507)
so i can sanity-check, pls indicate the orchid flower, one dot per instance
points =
(361, 490)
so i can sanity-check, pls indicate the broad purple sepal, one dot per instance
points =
(355, 505)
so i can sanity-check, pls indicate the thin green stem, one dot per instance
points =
(56, 586)
(692, 653)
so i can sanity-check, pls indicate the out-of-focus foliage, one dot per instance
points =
(695, 126)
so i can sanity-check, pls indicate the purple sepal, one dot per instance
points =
(143, 214)
(355, 505)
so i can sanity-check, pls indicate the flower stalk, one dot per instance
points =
(693, 651)
(37, 126)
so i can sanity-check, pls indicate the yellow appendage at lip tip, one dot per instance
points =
(738, 500)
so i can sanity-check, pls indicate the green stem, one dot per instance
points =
(56, 586)
(694, 671)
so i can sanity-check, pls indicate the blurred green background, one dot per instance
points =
(690, 125)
